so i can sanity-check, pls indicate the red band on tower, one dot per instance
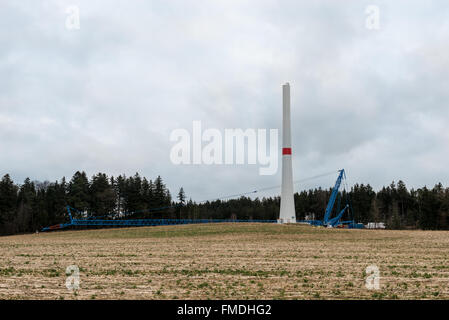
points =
(286, 151)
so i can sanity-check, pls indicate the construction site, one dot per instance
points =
(337, 257)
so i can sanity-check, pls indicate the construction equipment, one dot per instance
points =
(89, 222)
(336, 221)
(117, 222)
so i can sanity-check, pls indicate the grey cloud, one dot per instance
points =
(106, 97)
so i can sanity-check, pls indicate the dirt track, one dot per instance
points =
(226, 261)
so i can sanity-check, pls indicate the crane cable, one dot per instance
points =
(268, 188)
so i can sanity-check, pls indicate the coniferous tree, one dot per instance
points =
(8, 203)
(102, 196)
(182, 199)
(120, 190)
(33, 205)
(25, 210)
(429, 207)
(78, 192)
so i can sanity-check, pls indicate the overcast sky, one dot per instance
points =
(106, 97)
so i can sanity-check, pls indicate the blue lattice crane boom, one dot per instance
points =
(336, 221)
(330, 204)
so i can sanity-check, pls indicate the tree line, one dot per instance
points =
(32, 205)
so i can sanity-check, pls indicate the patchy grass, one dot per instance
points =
(226, 261)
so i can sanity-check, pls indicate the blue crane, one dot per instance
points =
(336, 221)
(330, 205)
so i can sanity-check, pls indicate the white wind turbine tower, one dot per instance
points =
(287, 213)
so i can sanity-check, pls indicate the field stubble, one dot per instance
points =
(226, 261)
